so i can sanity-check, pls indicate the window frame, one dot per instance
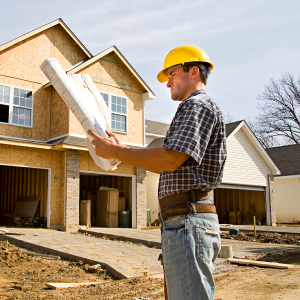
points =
(11, 106)
(116, 113)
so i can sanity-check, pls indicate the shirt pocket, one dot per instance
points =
(207, 243)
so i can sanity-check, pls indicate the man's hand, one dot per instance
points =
(153, 159)
(106, 147)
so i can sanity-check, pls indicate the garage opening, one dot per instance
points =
(239, 206)
(17, 183)
(110, 200)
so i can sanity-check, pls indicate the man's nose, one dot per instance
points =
(169, 83)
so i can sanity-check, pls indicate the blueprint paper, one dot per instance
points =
(86, 103)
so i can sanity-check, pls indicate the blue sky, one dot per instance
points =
(247, 41)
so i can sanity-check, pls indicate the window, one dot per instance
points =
(118, 107)
(16, 105)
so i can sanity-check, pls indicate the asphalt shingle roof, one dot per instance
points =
(156, 127)
(286, 158)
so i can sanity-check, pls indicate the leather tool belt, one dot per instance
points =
(183, 197)
(185, 209)
(184, 203)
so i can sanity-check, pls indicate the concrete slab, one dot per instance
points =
(123, 260)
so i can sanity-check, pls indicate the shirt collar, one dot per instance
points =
(195, 93)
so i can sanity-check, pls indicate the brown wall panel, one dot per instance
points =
(249, 203)
(24, 182)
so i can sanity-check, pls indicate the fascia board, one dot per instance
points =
(149, 134)
(122, 58)
(235, 131)
(91, 60)
(257, 145)
(43, 28)
(24, 144)
(65, 147)
(286, 177)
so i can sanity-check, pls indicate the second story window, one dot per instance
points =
(16, 105)
(118, 107)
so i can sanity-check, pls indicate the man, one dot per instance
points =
(190, 164)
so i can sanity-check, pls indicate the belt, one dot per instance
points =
(183, 197)
(186, 208)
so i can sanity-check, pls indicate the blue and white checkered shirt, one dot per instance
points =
(198, 130)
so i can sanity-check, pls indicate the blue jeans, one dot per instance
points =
(190, 244)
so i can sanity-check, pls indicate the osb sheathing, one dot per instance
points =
(87, 164)
(60, 115)
(40, 158)
(20, 67)
(112, 76)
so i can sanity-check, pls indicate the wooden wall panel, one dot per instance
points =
(247, 203)
(24, 182)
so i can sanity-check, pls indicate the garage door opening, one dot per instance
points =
(16, 182)
(238, 206)
(110, 199)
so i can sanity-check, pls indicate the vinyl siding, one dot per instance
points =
(244, 165)
(287, 196)
(152, 194)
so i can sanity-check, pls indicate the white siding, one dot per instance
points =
(244, 165)
(287, 197)
(152, 194)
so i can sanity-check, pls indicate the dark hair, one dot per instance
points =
(203, 76)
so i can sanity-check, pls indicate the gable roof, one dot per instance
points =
(230, 127)
(93, 59)
(287, 158)
(43, 28)
(156, 128)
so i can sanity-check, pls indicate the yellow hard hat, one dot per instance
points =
(181, 55)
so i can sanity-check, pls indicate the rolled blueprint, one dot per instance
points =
(86, 103)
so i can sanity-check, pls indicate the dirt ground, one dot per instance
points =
(24, 275)
(273, 238)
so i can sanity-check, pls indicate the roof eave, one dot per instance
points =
(43, 28)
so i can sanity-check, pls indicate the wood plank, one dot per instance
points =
(62, 285)
(260, 263)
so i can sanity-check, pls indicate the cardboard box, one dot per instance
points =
(107, 220)
(122, 204)
(85, 213)
(107, 201)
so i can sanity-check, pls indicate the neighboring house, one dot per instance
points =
(287, 185)
(246, 189)
(42, 150)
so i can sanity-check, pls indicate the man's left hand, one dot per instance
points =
(106, 147)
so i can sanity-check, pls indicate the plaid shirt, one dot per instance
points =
(198, 130)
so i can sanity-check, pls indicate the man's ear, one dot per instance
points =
(194, 72)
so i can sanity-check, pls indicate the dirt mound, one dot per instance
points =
(273, 238)
(24, 276)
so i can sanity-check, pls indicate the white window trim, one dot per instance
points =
(11, 105)
(121, 114)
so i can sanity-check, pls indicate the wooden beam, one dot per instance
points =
(62, 285)
(260, 263)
